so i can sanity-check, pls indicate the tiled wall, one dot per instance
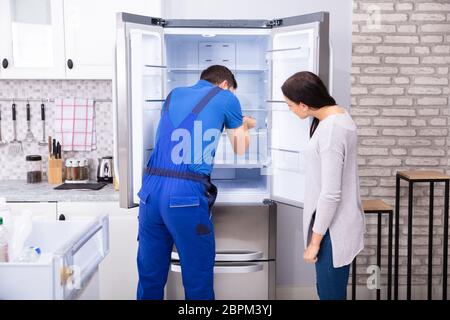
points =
(13, 167)
(400, 101)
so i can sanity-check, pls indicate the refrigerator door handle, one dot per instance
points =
(227, 268)
(231, 255)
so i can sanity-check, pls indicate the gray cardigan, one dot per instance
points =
(332, 198)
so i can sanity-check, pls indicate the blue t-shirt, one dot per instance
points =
(224, 110)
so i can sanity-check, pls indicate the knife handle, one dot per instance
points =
(28, 112)
(42, 112)
(13, 109)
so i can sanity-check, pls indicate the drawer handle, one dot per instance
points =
(65, 274)
(5, 63)
(227, 268)
(70, 64)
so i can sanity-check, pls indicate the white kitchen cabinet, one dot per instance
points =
(90, 34)
(38, 209)
(62, 39)
(32, 39)
(118, 272)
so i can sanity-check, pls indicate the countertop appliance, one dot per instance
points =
(154, 55)
(68, 266)
(105, 170)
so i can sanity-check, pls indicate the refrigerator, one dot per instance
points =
(155, 55)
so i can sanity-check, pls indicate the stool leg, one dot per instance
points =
(430, 242)
(389, 293)
(409, 249)
(397, 234)
(445, 262)
(354, 279)
(379, 255)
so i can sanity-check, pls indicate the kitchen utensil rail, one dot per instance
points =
(42, 100)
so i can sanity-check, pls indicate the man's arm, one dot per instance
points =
(239, 137)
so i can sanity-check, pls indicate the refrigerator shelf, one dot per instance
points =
(237, 70)
(255, 165)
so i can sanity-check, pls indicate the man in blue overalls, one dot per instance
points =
(177, 194)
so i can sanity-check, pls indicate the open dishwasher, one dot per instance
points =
(68, 266)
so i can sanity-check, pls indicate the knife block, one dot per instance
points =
(55, 171)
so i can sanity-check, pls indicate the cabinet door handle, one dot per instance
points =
(62, 217)
(70, 64)
(5, 63)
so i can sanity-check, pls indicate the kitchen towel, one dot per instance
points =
(75, 124)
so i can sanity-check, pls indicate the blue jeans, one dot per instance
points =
(331, 282)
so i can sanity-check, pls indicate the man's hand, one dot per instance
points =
(310, 254)
(249, 122)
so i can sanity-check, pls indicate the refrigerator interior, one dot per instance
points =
(261, 61)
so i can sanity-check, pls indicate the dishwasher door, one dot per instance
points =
(232, 281)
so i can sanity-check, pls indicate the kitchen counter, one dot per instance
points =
(20, 191)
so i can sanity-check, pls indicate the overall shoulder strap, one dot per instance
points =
(202, 104)
(167, 102)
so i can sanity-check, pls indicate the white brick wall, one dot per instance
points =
(400, 101)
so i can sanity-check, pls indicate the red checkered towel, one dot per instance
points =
(75, 124)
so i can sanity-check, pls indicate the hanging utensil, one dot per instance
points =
(29, 137)
(2, 142)
(43, 142)
(15, 146)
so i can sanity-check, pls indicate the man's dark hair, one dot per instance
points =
(234, 84)
(217, 74)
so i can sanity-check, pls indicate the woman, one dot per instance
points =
(333, 219)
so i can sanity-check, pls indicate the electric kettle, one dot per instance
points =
(105, 170)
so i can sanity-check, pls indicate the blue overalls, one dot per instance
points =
(175, 208)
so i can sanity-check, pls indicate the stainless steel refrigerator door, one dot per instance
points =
(139, 89)
(298, 44)
(232, 281)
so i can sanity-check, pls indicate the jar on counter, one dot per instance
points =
(75, 170)
(69, 170)
(34, 168)
(84, 169)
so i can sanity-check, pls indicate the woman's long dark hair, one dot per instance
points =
(307, 88)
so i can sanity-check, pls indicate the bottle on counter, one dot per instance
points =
(4, 254)
(29, 254)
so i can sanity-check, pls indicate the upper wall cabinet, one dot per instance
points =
(32, 39)
(90, 34)
(62, 39)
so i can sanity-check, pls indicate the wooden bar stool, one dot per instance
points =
(423, 177)
(378, 207)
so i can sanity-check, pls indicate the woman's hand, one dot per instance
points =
(310, 254)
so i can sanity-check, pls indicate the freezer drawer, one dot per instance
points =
(243, 233)
(249, 229)
(71, 253)
(232, 281)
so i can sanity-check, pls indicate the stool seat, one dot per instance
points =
(375, 206)
(423, 175)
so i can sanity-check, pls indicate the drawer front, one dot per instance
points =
(232, 281)
(245, 228)
(222, 53)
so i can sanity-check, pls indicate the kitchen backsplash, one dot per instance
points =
(14, 167)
